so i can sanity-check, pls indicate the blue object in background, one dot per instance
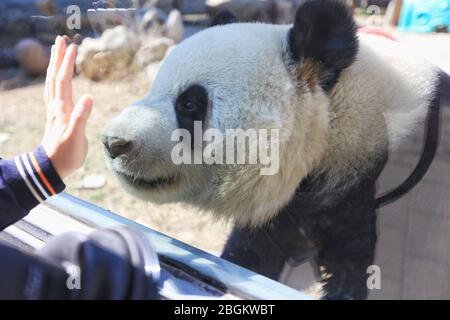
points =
(424, 15)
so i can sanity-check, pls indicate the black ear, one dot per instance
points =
(222, 17)
(324, 33)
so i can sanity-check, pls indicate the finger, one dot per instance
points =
(64, 78)
(48, 76)
(52, 62)
(60, 50)
(67, 40)
(77, 38)
(80, 116)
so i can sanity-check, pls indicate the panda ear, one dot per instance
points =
(222, 17)
(324, 34)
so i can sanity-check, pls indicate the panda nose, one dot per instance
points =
(117, 146)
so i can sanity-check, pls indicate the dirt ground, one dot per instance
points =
(22, 118)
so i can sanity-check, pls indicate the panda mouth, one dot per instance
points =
(142, 183)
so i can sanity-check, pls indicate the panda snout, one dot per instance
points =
(116, 146)
(138, 141)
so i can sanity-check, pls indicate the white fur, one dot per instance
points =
(243, 67)
(383, 94)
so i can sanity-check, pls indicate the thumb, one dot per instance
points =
(80, 115)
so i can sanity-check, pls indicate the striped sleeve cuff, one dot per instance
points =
(33, 178)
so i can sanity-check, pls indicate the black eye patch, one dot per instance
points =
(190, 106)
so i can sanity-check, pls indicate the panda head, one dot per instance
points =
(237, 76)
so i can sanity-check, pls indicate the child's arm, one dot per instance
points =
(31, 178)
(25, 181)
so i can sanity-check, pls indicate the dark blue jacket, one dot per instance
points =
(26, 181)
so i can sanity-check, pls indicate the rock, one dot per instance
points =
(31, 56)
(93, 182)
(169, 50)
(152, 70)
(173, 28)
(155, 23)
(111, 54)
(120, 38)
(153, 51)
(152, 22)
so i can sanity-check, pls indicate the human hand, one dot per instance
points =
(65, 139)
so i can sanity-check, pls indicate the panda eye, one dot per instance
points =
(189, 106)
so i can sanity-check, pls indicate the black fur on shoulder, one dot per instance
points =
(325, 32)
(222, 17)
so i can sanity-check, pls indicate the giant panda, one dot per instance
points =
(340, 100)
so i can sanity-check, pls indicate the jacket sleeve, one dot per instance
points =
(26, 181)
